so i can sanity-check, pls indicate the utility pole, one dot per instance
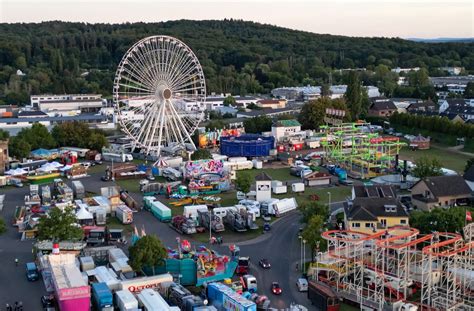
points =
(301, 251)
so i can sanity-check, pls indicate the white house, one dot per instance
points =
(285, 128)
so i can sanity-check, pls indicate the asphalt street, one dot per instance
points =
(281, 247)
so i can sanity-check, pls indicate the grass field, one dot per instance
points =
(282, 174)
(449, 159)
(114, 223)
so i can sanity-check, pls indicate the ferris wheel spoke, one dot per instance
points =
(148, 112)
(175, 129)
(185, 74)
(187, 67)
(185, 84)
(186, 131)
(174, 58)
(144, 69)
(134, 68)
(135, 78)
(181, 59)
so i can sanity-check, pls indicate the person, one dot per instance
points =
(20, 306)
(8, 307)
(296, 266)
(16, 306)
(16, 262)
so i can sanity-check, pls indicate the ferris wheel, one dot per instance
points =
(159, 90)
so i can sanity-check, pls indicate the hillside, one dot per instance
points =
(239, 57)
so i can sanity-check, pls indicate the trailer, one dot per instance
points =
(283, 206)
(160, 211)
(215, 221)
(81, 152)
(155, 188)
(150, 300)
(297, 187)
(125, 300)
(171, 174)
(191, 211)
(119, 261)
(124, 214)
(102, 297)
(136, 285)
(223, 297)
(78, 189)
(129, 200)
(183, 225)
(117, 157)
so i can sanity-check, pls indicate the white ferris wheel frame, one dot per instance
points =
(156, 72)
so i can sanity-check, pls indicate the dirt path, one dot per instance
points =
(454, 149)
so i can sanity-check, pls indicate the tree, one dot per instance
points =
(469, 163)
(97, 141)
(312, 113)
(148, 252)
(312, 234)
(229, 100)
(353, 95)
(325, 90)
(215, 125)
(4, 135)
(258, 124)
(37, 136)
(18, 148)
(200, 154)
(439, 219)
(310, 208)
(469, 90)
(59, 225)
(243, 182)
(427, 167)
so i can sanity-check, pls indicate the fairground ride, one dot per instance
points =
(363, 155)
(400, 265)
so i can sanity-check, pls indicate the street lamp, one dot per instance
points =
(329, 201)
(301, 250)
(210, 231)
(304, 254)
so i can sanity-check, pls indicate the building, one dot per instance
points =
(14, 125)
(440, 191)
(307, 93)
(382, 109)
(405, 70)
(465, 112)
(454, 84)
(285, 128)
(317, 179)
(263, 187)
(215, 101)
(4, 162)
(272, 103)
(453, 71)
(268, 112)
(444, 104)
(374, 214)
(422, 106)
(67, 103)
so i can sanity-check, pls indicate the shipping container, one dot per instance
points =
(78, 189)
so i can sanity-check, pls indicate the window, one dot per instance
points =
(368, 225)
(383, 222)
(403, 221)
(356, 225)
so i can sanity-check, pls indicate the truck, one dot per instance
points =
(279, 207)
(160, 211)
(78, 189)
(63, 190)
(337, 171)
(171, 174)
(102, 297)
(223, 297)
(117, 157)
(249, 283)
(183, 224)
(148, 188)
(129, 200)
(125, 300)
(181, 297)
(124, 214)
(152, 301)
(236, 221)
(216, 222)
(136, 285)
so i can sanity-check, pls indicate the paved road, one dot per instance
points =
(281, 247)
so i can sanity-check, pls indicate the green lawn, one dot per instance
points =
(131, 185)
(448, 159)
(282, 174)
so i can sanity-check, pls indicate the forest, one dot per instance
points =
(238, 57)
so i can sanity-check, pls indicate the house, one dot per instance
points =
(263, 187)
(317, 179)
(453, 71)
(285, 128)
(444, 104)
(271, 113)
(422, 106)
(382, 109)
(374, 214)
(469, 177)
(272, 103)
(64, 104)
(465, 112)
(440, 191)
(374, 191)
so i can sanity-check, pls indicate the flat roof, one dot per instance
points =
(81, 117)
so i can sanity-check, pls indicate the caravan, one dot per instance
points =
(191, 211)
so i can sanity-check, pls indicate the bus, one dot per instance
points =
(322, 297)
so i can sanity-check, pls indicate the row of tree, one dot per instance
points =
(70, 134)
(433, 124)
(439, 219)
(237, 57)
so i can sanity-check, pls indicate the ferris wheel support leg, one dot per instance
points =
(188, 135)
(160, 119)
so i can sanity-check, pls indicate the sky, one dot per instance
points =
(388, 18)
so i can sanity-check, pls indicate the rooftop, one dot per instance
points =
(375, 191)
(383, 105)
(453, 185)
(370, 208)
(287, 123)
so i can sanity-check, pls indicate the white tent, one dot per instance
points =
(16, 172)
(55, 164)
(65, 168)
(83, 214)
(47, 168)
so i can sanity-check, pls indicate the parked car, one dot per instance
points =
(302, 285)
(276, 289)
(32, 273)
(86, 164)
(48, 303)
(264, 263)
